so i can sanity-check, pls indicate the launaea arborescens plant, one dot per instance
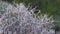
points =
(19, 20)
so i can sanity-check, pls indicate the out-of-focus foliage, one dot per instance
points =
(28, 2)
(48, 6)
(51, 7)
(19, 20)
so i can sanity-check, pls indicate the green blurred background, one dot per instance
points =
(51, 7)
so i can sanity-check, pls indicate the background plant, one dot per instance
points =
(51, 7)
